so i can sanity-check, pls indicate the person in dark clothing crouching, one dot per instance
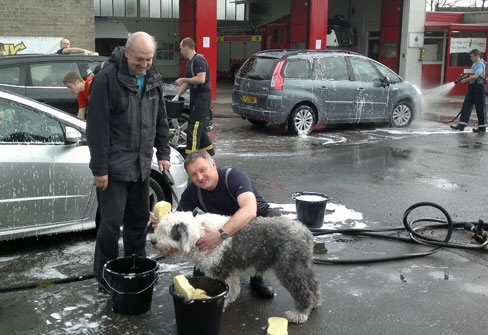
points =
(226, 192)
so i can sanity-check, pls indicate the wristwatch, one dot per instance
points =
(223, 234)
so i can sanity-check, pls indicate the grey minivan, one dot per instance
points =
(301, 89)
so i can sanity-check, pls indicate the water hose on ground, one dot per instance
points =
(477, 230)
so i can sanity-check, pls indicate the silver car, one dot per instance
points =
(301, 89)
(46, 186)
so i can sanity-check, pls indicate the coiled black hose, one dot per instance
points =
(413, 228)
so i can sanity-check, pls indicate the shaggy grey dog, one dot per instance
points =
(277, 243)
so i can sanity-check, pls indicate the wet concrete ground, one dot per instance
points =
(371, 176)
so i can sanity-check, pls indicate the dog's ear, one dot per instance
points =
(178, 232)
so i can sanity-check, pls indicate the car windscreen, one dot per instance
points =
(260, 68)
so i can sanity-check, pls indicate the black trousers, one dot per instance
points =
(476, 97)
(200, 109)
(127, 204)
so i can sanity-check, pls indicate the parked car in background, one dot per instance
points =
(304, 88)
(46, 186)
(40, 77)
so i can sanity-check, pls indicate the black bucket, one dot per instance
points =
(200, 316)
(131, 281)
(310, 208)
(174, 109)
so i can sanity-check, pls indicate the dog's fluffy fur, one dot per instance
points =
(277, 243)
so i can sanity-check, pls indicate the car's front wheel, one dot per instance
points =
(302, 120)
(156, 193)
(402, 115)
(177, 131)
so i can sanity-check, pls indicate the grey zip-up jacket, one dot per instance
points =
(123, 126)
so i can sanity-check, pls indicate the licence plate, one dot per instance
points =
(249, 100)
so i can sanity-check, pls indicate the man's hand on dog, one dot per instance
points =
(210, 241)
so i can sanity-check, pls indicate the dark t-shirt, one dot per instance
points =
(223, 199)
(196, 65)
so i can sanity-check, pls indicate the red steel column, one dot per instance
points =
(309, 24)
(317, 38)
(198, 20)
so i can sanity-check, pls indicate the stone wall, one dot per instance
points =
(73, 19)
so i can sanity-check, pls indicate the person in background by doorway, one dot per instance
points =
(475, 96)
(82, 88)
(197, 78)
(65, 48)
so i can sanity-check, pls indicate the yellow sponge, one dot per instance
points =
(161, 209)
(277, 326)
(188, 292)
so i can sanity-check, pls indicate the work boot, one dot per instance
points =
(479, 130)
(260, 288)
(459, 127)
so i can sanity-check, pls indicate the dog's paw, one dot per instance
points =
(229, 298)
(295, 317)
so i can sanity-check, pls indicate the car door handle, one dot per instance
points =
(324, 88)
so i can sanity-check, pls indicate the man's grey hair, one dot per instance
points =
(131, 37)
(191, 158)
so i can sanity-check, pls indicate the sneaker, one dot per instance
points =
(260, 288)
(479, 130)
(458, 127)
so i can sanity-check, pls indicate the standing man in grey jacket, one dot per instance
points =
(127, 119)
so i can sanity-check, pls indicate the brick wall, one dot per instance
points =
(73, 19)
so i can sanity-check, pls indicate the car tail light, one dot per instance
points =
(277, 79)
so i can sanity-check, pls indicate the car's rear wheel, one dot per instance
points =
(402, 115)
(302, 120)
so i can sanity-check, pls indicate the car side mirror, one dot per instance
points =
(72, 135)
(385, 81)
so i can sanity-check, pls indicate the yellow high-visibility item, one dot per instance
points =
(161, 209)
(183, 287)
(200, 294)
(277, 326)
(186, 290)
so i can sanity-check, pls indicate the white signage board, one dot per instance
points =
(17, 45)
(466, 44)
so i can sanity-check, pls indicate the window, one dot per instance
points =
(11, 75)
(331, 68)
(460, 57)
(258, 68)
(51, 74)
(166, 9)
(19, 124)
(364, 71)
(296, 68)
